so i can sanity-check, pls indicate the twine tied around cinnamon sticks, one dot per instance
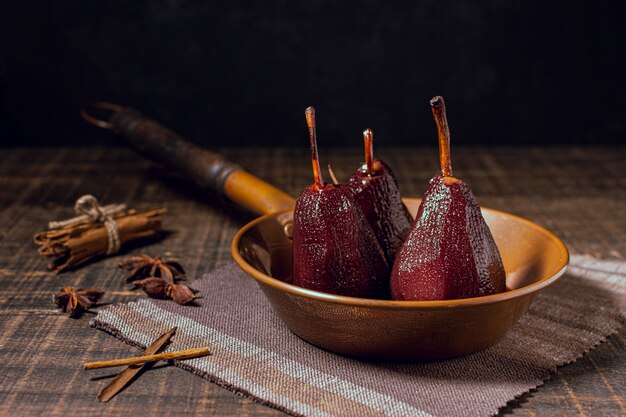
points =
(96, 230)
(89, 210)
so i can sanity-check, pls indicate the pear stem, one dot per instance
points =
(317, 171)
(368, 138)
(332, 175)
(438, 108)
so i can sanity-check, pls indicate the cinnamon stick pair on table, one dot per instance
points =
(136, 364)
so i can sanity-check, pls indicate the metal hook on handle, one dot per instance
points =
(100, 105)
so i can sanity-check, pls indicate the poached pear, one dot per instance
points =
(334, 248)
(450, 252)
(375, 190)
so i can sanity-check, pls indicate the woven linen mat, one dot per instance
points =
(254, 354)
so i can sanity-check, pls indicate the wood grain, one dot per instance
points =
(576, 192)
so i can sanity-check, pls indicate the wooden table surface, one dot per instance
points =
(579, 193)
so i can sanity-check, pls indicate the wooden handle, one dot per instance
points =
(255, 194)
(181, 354)
(206, 168)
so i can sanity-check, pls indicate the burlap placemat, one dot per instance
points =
(257, 356)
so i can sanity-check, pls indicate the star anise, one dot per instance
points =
(74, 301)
(158, 278)
(160, 288)
(143, 266)
(181, 294)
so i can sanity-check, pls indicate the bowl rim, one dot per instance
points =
(396, 304)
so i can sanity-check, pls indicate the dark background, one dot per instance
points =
(240, 73)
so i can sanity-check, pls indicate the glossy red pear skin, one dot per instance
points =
(380, 201)
(334, 248)
(450, 252)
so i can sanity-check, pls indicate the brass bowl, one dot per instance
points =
(402, 330)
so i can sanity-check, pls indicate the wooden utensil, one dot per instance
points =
(205, 168)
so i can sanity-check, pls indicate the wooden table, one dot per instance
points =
(579, 193)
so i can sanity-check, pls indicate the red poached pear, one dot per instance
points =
(334, 248)
(450, 252)
(375, 189)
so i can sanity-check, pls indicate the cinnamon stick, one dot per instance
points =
(124, 377)
(76, 244)
(180, 354)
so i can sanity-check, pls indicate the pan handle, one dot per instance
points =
(206, 168)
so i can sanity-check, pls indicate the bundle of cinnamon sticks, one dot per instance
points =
(78, 240)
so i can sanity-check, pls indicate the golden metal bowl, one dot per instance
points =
(402, 330)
